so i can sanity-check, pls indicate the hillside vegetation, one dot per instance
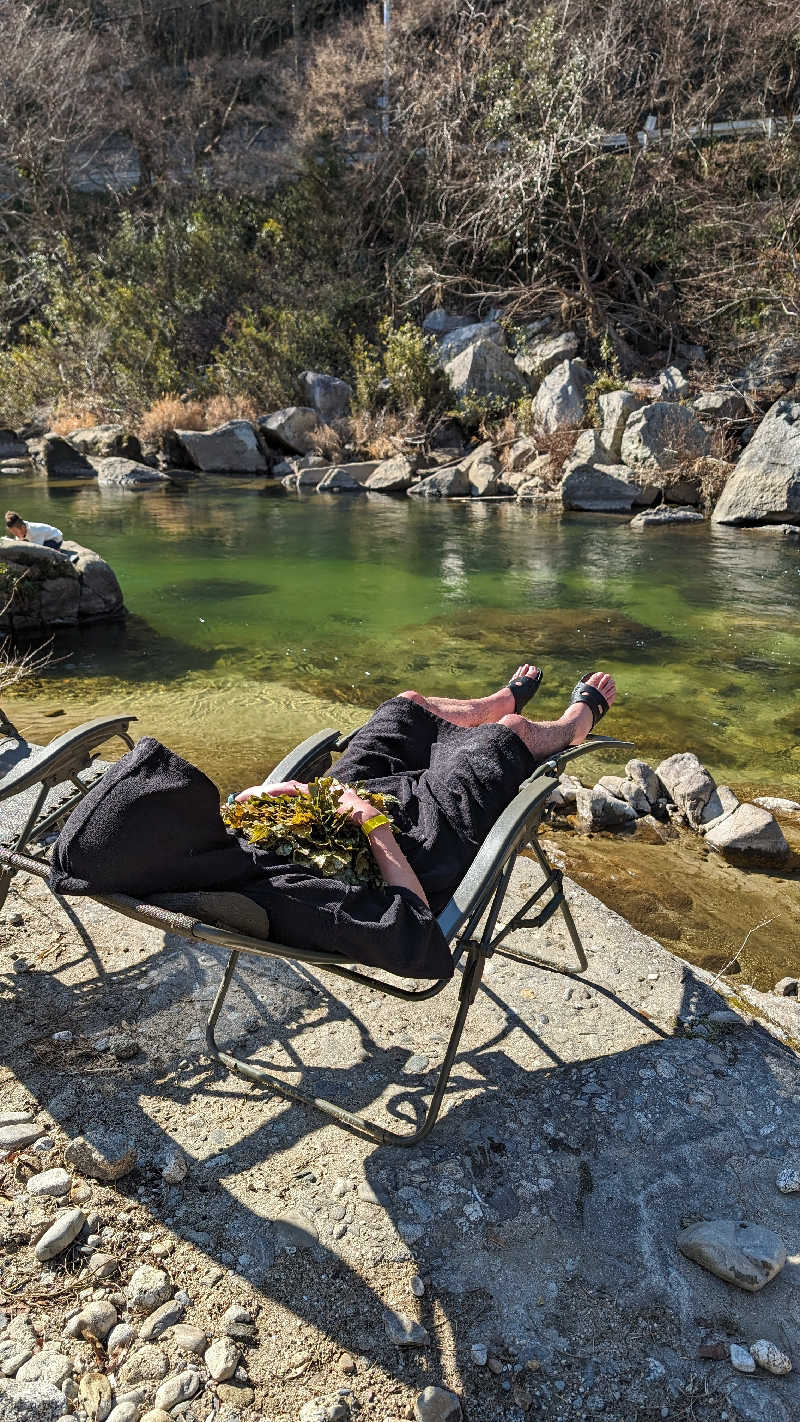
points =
(274, 225)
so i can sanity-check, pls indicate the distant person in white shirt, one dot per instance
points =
(44, 533)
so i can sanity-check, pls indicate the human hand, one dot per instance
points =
(281, 787)
(355, 807)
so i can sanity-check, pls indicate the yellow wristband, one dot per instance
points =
(373, 823)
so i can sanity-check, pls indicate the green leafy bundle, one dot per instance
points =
(311, 829)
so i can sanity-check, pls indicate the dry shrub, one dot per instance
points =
(559, 445)
(327, 442)
(711, 476)
(222, 408)
(170, 413)
(380, 435)
(67, 417)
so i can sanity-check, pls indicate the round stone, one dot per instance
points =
(222, 1359)
(769, 1357)
(148, 1289)
(60, 1235)
(178, 1389)
(46, 1367)
(55, 1182)
(435, 1404)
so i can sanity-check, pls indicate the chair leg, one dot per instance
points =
(19, 848)
(351, 1120)
(564, 909)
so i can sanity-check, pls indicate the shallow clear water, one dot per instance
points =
(254, 617)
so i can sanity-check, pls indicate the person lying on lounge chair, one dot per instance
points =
(153, 826)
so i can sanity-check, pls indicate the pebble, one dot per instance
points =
(741, 1359)
(317, 1410)
(175, 1168)
(60, 1235)
(15, 1118)
(188, 1338)
(788, 1182)
(347, 1364)
(46, 1367)
(96, 1320)
(102, 1266)
(147, 1364)
(236, 1396)
(238, 1323)
(148, 1289)
(405, 1331)
(160, 1320)
(417, 1287)
(479, 1354)
(416, 1064)
(365, 1192)
(156, 1414)
(125, 1411)
(44, 1144)
(222, 1359)
(123, 1046)
(19, 1134)
(770, 1358)
(13, 1354)
(178, 1389)
(435, 1404)
(107, 1156)
(30, 1402)
(339, 1188)
(745, 1254)
(94, 1396)
(120, 1337)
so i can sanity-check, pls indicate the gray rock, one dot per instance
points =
(404, 1331)
(326, 394)
(49, 1367)
(105, 441)
(125, 1411)
(95, 1320)
(599, 809)
(62, 460)
(103, 1266)
(449, 483)
(521, 455)
(230, 448)
(777, 805)
(55, 1182)
(94, 1396)
(174, 1167)
(15, 1352)
(30, 1402)
(178, 1389)
(160, 1320)
(748, 1255)
(155, 1414)
(108, 1155)
(721, 803)
(12, 448)
(60, 1235)
(688, 783)
(598, 488)
(222, 1359)
(440, 322)
(750, 833)
(118, 473)
(318, 1409)
(339, 481)
(774, 368)
(685, 493)
(661, 436)
(148, 1289)
(483, 480)
(721, 405)
(457, 340)
(120, 1337)
(100, 594)
(147, 1364)
(291, 429)
(238, 1323)
(543, 356)
(787, 987)
(755, 1402)
(19, 1134)
(486, 371)
(393, 476)
(656, 518)
(672, 384)
(188, 1338)
(435, 1404)
(561, 398)
(645, 777)
(616, 407)
(741, 1359)
(765, 485)
(291, 1230)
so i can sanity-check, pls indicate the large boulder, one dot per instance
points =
(100, 592)
(749, 835)
(725, 404)
(661, 436)
(452, 483)
(291, 429)
(672, 384)
(12, 447)
(393, 476)
(62, 461)
(339, 481)
(765, 485)
(46, 588)
(232, 448)
(102, 441)
(592, 484)
(537, 360)
(616, 408)
(484, 478)
(486, 371)
(561, 398)
(326, 394)
(522, 453)
(116, 473)
(688, 783)
(457, 340)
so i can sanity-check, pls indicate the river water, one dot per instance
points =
(255, 618)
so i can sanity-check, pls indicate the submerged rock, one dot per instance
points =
(393, 476)
(688, 783)
(750, 833)
(667, 513)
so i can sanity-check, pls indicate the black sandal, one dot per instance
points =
(590, 697)
(523, 688)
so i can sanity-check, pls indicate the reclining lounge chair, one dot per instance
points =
(470, 923)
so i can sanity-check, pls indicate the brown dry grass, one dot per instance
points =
(222, 408)
(171, 413)
(379, 436)
(327, 442)
(67, 417)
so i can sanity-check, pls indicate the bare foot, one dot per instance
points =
(509, 700)
(579, 715)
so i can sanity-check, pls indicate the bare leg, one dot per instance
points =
(544, 738)
(479, 712)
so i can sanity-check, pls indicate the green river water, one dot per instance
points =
(255, 618)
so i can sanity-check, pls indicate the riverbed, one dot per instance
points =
(255, 618)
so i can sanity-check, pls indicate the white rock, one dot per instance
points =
(687, 782)
(765, 485)
(661, 436)
(14, 1353)
(178, 1389)
(750, 833)
(741, 1359)
(175, 1168)
(46, 1366)
(222, 1359)
(148, 1289)
(15, 1118)
(160, 1320)
(616, 407)
(561, 398)
(19, 1134)
(479, 1353)
(60, 1235)
(435, 1404)
(120, 1337)
(125, 1411)
(30, 1402)
(770, 1358)
(231, 448)
(108, 1155)
(96, 1320)
(788, 1182)
(777, 804)
(54, 1182)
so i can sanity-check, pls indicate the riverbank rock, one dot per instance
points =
(100, 592)
(107, 1156)
(765, 484)
(439, 322)
(751, 834)
(484, 478)
(688, 783)
(599, 488)
(60, 1235)
(721, 405)
(105, 441)
(672, 384)
(450, 483)
(291, 429)
(599, 809)
(537, 360)
(777, 805)
(749, 1255)
(326, 394)
(339, 481)
(454, 342)
(616, 408)
(485, 371)
(44, 588)
(117, 473)
(561, 398)
(666, 513)
(232, 448)
(62, 461)
(393, 476)
(661, 436)
(12, 448)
